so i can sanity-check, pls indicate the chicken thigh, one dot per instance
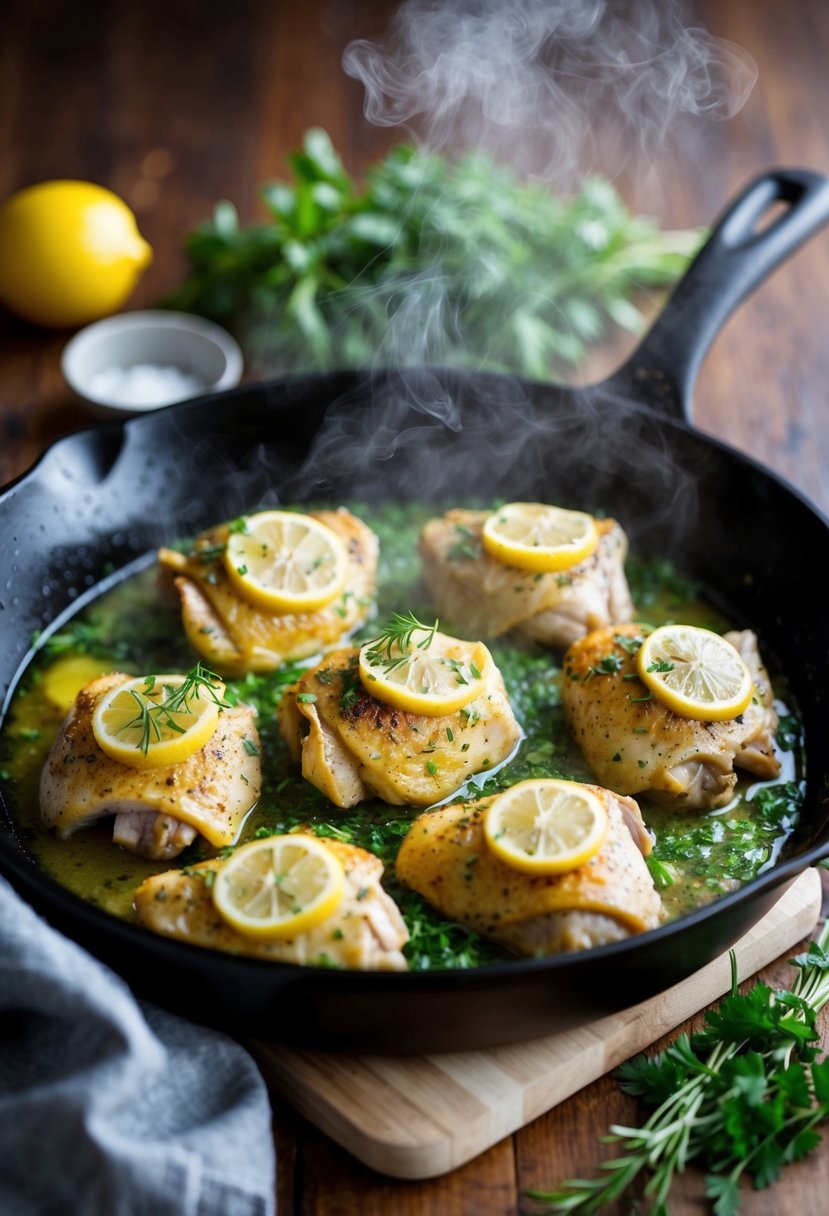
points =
(445, 857)
(636, 745)
(485, 598)
(158, 811)
(352, 746)
(234, 637)
(365, 933)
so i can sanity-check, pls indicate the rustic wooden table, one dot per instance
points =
(174, 105)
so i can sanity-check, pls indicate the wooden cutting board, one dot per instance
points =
(418, 1117)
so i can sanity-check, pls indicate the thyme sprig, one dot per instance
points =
(743, 1097)
(392, 648)
(152, 718)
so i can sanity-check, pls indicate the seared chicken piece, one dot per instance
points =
(365, 933)
(158, 811)
(445, 857)
(235, 637)
(636, 745)
(478, 594)
(352, 746)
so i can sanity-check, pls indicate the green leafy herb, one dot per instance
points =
(337, 271)
(152, 717)
(743, 1097)
(608, 666)
(629, 645)
(352, 688)
(467, 547)
(392, 648)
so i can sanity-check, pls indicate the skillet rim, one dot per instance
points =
(27, 870)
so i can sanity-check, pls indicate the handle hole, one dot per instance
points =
(769, 216)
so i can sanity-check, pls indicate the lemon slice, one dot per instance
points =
(434, 680)
(546, 826)
(533, 536)
(286, 562)
(149, 722)
(65, 678)
(279, 887)
(695, 672)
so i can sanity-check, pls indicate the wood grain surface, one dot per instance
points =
(176, 104)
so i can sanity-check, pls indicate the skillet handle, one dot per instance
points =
(735, 259)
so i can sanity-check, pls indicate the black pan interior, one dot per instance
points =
(105, 496)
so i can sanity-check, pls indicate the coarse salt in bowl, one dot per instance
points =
(140, 361)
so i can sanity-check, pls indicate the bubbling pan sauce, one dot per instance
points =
(135, 627)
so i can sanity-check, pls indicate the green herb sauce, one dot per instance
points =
(137, 629)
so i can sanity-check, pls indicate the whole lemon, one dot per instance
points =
(70, 253)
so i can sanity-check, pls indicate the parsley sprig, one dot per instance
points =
(152, 718)
(743, 1097)
(392, 648)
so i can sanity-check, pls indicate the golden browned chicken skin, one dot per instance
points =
(365, 933)
(234, 637)
(636, 745)
(158, 811)
(483, 598)
(352, 746)
(445, 857)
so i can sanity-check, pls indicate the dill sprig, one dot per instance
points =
(392, 648)
(153, 717)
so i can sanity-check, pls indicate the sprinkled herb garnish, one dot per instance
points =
(660, 665)
(608, 666)
(352, 689)
(467, 547)
(629, 645)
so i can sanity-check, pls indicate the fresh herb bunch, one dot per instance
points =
(743, 1097)
(456, 262)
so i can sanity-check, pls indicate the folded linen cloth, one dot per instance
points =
(109, 1107)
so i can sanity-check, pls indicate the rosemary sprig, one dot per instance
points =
(743, 1097)
(154, 717)
(392, 648)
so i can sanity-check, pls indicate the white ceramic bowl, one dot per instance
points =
(171, 356)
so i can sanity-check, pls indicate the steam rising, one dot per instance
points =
(554, 87)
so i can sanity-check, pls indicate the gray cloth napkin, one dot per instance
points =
(111, 1108)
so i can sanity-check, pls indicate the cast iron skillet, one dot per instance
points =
(113, 493)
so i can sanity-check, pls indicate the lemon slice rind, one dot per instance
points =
(115, 723)
(433, 682)
(280, 887)
(284, 562)
(546, 826)
(704, 677)
(538, 537)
